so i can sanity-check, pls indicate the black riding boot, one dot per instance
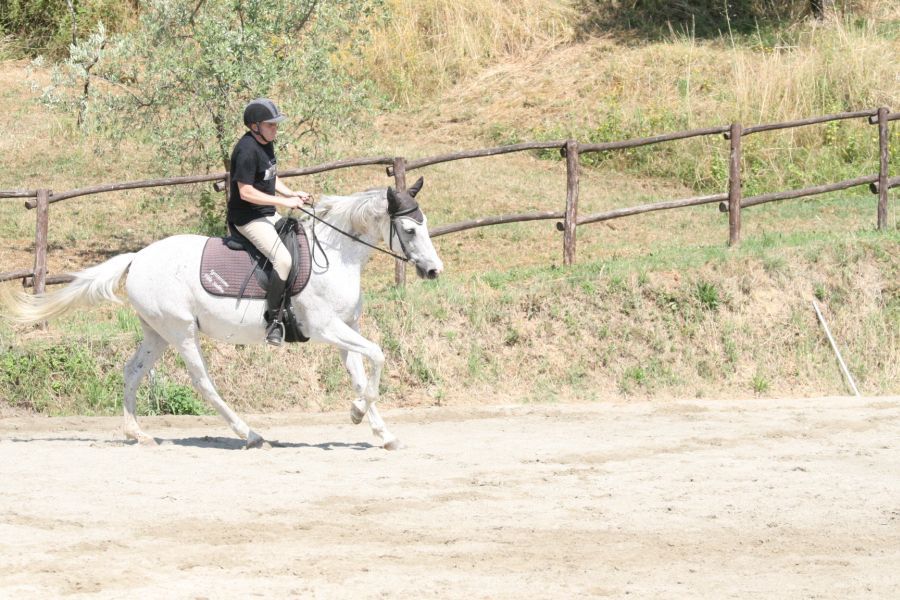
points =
(274, 302)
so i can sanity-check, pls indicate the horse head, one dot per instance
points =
(409, 226)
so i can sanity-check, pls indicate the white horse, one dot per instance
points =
(163, 286)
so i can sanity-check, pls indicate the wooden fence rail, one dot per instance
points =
(397, 167)
(892, 182)
(18, 193)
(646, 208)
(27, 278)
(810, 121)
(801, 193)
(425, 162)
(16, 275)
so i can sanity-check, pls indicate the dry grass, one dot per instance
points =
(601, 90)
(428, 46)
(831, 66)
(498, 64)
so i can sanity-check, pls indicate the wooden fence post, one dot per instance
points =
(883, 137)
(571, 219)
(400, 186)
(734, 186)
(41, 230)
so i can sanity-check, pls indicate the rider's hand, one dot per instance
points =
(304, 197)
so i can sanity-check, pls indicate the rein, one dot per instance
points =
(355, 237)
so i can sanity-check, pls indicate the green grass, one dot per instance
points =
(760, 384)
(707, 295)
(164, 397)
(39, 378)
(84, 377)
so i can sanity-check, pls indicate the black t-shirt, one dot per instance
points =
(253, 163)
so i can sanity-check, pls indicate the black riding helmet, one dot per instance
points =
(262, 110)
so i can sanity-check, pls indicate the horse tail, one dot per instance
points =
(91, 286)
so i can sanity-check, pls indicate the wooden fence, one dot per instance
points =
(731, 201)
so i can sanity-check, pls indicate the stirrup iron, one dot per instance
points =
(275, 333)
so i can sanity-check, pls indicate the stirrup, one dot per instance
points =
(275, 333)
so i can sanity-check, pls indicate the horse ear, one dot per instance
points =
(393, 204)
(416, 187)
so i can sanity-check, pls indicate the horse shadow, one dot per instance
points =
(95, 441)
(228, 443)
(205, 442)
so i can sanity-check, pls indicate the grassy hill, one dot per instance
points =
(657, 305)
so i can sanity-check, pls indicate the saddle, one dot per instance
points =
(232, 267)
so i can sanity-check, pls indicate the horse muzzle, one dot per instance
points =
(429, 271)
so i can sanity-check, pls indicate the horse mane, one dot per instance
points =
(356, 213)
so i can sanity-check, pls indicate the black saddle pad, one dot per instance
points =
(223, 271)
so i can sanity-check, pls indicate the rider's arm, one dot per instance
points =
(284, 190)
(254, 196)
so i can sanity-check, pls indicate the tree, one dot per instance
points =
(180, 79)
(182, 76)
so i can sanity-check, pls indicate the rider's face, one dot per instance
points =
(269, 130)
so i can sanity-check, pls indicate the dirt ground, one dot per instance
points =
(793, 498)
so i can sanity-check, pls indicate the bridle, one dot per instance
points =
(395, 230)
(356, 238)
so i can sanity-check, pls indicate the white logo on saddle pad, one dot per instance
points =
(215, 281)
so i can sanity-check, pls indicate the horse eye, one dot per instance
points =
(410, 231)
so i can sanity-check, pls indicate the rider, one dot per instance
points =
(252, 201)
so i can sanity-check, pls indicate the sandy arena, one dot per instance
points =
(791, 498)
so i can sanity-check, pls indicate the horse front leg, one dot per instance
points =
(389, 441)
(360, 408)
(354, 364)
(354, 347)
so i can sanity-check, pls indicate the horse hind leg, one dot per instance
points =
(188, 345)
(146, 355)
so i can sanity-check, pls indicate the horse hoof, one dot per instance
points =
(394, 444)
(140, 437)
(257, 443)
(356, 415)
(143, 440)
